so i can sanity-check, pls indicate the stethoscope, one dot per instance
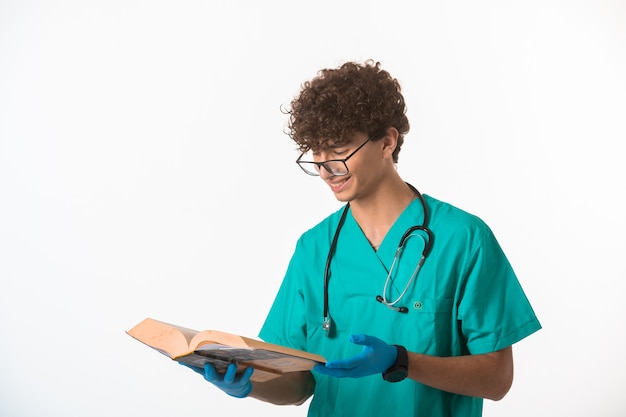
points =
(428, 244)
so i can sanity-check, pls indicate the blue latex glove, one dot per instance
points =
(375, 358)
(230, 383)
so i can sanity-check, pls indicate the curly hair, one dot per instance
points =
(340, 102)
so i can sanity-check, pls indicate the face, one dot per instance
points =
(364, 166)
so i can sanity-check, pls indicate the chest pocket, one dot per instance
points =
(434, 320)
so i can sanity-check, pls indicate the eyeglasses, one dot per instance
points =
(337, 167)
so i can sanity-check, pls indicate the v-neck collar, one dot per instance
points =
(412, 215)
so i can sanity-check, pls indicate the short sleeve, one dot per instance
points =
(286, 322)
(493, 310)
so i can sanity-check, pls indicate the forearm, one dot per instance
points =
(485, 376)
(293, 388)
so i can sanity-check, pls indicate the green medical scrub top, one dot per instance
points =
(465, 300)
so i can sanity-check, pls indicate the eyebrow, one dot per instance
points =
(340, 145)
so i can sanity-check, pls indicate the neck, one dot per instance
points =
(387, 197)
(376, 213)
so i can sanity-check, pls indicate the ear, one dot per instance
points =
(390, 141)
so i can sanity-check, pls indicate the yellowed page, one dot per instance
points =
(170, 339)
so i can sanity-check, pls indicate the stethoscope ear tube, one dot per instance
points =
(428, 242)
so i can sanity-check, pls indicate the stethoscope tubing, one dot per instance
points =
(427, 248)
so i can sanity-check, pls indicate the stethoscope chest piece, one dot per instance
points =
(327, 326)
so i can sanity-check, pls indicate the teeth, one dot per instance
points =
(338, 183)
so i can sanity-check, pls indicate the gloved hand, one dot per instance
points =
(375, 358)
(230, 383)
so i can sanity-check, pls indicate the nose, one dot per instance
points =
(324, 173)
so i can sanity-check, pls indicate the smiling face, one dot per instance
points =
(369, 161)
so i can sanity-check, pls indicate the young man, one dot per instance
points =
(410, 299)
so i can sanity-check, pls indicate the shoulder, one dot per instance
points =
(443, 212)
(465, 234)
(452, 223)
(323, 231)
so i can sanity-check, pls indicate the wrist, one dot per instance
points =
(400, 369)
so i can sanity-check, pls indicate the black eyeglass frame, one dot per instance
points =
(319, 165)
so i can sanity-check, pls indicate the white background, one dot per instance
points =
(144, 172)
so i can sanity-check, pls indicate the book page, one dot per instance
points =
(166, 338)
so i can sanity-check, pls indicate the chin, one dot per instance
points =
(344, 197)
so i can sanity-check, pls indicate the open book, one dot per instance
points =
(220, 349)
